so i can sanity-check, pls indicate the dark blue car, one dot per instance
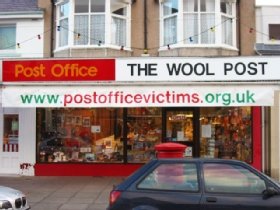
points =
(196, 184)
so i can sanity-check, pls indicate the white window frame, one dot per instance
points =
(217, 28)
(59, 28)
(108, 23)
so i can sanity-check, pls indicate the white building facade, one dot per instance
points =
(21, 34)
(268, 43)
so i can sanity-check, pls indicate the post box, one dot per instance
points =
(170, 150)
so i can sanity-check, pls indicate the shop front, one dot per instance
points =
(129, 135)
(104, 117)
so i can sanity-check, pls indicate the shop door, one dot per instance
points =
(181, 126)
(9, 151)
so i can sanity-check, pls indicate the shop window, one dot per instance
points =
(7, 37)
(226, 132)
(143, 133)
(79, 135)
(10, 139)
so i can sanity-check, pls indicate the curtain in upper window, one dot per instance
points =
(118, 23)
(227, 31)
(118, 31)
(170, 30)
(81, 29)
(170, 11)
(199, 21)
(7, 37)
(202, 22)
(191, 22)
(97, 29)
(63, 32)
(227, 22)
(89, 22)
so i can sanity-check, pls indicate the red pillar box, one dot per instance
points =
(170, 150)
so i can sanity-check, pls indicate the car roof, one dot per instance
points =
(200, 160)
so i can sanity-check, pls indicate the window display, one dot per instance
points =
(179, 125)
(144, 132)
(79, 135)
(226, 133)
(118, 135)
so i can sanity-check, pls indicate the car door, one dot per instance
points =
(169, 186)
(232, 186)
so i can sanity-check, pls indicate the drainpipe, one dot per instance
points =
(239, 27)
(52, 29)
(145, 28)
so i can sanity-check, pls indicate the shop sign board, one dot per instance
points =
(58, 70)
(138, 96)
(254, 68)
(198, 69)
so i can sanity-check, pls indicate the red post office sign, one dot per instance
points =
(59, 70)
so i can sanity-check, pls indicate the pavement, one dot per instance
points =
(64, 193)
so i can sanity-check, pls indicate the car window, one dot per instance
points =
(227, 178)
(179, 176)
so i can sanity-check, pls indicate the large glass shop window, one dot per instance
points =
(79, 135)
(143, 133)
(226, 133)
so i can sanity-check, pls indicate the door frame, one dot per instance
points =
(196, 127)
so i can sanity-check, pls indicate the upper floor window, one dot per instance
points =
(94, 23)
(170, 13)
(198, 22)
(89, 22)
(7, 37)
(274, 31)
(63, 23)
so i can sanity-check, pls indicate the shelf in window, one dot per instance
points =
(143, 116)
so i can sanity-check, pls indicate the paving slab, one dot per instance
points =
(64, 193)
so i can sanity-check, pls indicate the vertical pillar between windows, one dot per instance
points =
(108, 23)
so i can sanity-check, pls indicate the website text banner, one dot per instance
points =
(137, 96)
(59, 70)
(198, 69)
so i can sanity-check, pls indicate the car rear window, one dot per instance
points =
(177, 176)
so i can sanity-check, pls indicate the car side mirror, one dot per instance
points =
(269, 192)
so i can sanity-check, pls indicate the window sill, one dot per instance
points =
(83, 47)
(198, 46)
(92, 51)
